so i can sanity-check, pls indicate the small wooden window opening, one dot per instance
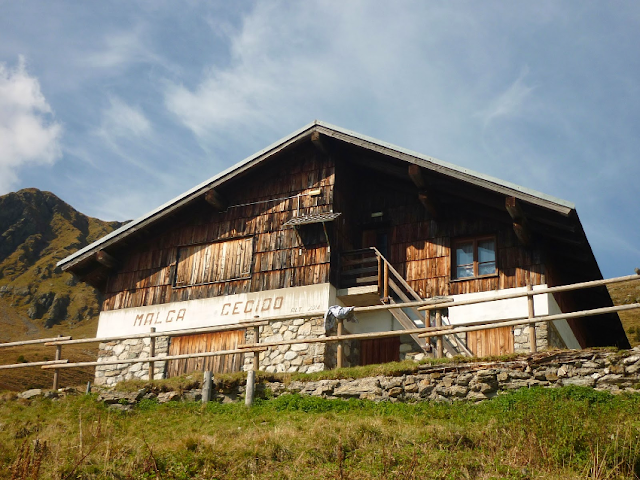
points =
(472, 258)
(214, 262)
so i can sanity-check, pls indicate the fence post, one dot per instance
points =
(339, 352)
(439, 345)
(152, 353)
(386, 279)
(251, 374)
(532, 326)
(56, 372)
(207, 385)
(256, 355)
(380, 276)
(249, 391)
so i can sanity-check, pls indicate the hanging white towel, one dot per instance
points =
(337, 312)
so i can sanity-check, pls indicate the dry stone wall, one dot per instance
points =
(615, 372)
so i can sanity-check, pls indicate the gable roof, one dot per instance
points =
(448, 169)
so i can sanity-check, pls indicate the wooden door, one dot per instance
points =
(207, 342)
(491, 342)
(376, 237)
(379, 350)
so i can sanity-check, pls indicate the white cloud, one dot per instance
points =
(286, 63)
(123, 121)
(511, 102)
(121, 49)
(28, 135)
(129, 134)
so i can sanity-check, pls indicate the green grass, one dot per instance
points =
(532, 433)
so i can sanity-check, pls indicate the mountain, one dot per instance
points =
(37, 229)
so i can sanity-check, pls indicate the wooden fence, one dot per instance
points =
(437, 331)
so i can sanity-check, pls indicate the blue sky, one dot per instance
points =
(117, 107)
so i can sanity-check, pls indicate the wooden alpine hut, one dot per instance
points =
(329, 217)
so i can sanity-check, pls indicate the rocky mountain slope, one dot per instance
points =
(37, 229)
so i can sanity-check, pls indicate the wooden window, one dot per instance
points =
(214, 262)
(474, 257)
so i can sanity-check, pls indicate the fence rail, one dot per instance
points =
(437, 331)
(32, 342)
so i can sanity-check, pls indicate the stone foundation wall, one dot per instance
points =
(546, 337)
(126, 350)
(410, 350)
(615, 372)
(305, 357)
(302, 357)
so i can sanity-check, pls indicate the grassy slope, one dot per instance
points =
(37, 230)
(623, 294)
(566, 433)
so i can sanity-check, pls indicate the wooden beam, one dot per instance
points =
(436, 166)
(316, 139)
(426, 196)
(216, 200)
(514, 208)
(106, 260)
(429, 205)
(415, 174)
(522, 233)
(520, 227)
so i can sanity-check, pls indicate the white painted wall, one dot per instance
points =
(377, 321)
(215, 311)
(497, 310)
(543, 304)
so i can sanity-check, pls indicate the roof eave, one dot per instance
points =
(183, 199)
(561, 206)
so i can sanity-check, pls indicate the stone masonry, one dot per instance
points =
(126, 350)
(302, 357)
(603, 370)
(615, 372)
(546, 337)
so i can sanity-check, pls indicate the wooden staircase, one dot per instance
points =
(368, 273)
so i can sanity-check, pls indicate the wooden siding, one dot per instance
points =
(420, 247)
(214, 262)
(495, 341)
(261, 202)
(279, 259)
(379, 350)
(208, 342)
